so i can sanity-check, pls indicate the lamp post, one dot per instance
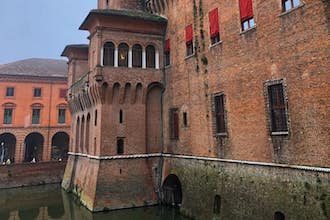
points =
(2, 152)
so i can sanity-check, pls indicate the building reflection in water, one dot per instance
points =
(51, 203)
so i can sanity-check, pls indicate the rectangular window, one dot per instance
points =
(277, 108)
(36, 116)
(189, 40)
(174, 124)
(185, 119)
(246, 12)
(8, 116)
(219, 108)
(62, 93)
(214, 26)
(290, 4)
(10, 91)
(37, 92)
(167, 52)
(61, 116)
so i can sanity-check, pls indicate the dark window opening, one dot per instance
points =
(37, 92)
(123, 55)
(151, 59)
(279, 216)
(61, 116)
(10, 91)
(121, 116)
(108, 54)
(36, 116)
(215, 39)
(217, 204)
(190, 48)
(290, 4)
(174, 124)
(120, 146)
(137, 55)
(220, 114)
(8, 116)
(277, 108)
(95, 117)
(185, 120)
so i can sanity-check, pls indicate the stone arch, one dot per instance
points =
(108, 58)
(137, 55)
(7, 147)
(123, 49)
(127, 95)
(172, 191)
(154, 118)
(60, 146)
(138, 93)
(116, 93)
(33, 145)
(77, 134)
(82, 129)
(279, 216)
(88, 126)
(151, 56)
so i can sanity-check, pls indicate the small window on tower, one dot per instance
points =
(189, 41)
(214, 26)
(37, 92)
(246, 12)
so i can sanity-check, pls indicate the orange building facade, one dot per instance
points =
(35, 120)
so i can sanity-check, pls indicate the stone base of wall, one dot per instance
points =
(250, 191)
(111, 184)
(31, 174)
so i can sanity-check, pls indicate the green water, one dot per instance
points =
(50, 202)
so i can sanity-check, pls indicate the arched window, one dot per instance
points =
(120, 146)
(108, 54)
(151, 56)
(123, 55)
(279, 216)
(137, 55)
(217, 204)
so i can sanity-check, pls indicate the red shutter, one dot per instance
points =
(189, 33)
(246, 9)
(167, 45)
(214, 22)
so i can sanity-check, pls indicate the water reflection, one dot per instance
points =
(50, 202)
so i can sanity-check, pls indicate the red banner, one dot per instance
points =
(246, 9)
(214, 22)
(189, 33)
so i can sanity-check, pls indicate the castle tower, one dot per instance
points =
(120, 4)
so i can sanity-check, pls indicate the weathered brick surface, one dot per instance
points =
(28, 174)
(292, 46)
(250, 191)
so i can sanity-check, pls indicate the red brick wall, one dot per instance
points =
(292, 46)
(29, 174)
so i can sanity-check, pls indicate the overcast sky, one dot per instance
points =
(40, 28)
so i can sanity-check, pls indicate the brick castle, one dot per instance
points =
(195, 102)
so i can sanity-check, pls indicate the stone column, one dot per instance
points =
(157, 59)
(116, 57)
(144, 58)
(130, 58)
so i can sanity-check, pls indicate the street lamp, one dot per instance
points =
(2, 152)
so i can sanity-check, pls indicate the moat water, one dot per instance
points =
(51, 202)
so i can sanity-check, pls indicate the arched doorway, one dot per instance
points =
(60, 146)
(171, 191)
(7, 147)
(33, 143)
